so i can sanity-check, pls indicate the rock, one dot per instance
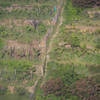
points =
(89, 47)
(11, 89)
(68, 46)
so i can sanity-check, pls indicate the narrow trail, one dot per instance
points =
(44, 51)
(33, 87)
(57, 31)
(56, 21)
(53, 37)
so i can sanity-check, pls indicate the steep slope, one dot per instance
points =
(73, 61)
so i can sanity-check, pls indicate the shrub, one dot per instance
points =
(3, 4)
(3, 32)
(97, 41)
(1, 43)
(2, 28)
(74, 98)
(87, 89)
(75, 41)
(54, 86)
(72, 13)
(20, 91)
(85, 3)
(29, 28)
(3, 90)
(42, 29)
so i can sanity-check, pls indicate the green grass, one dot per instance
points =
(25, 33)
(41, 13)
(2, 43)
(8, 3)
(82, 59)
(13, 64)
(15, 97)
(15, 72)
(71, 13)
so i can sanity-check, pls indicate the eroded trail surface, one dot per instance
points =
(56, 22)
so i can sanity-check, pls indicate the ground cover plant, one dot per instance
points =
(72, 55)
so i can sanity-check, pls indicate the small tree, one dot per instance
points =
(54, 86)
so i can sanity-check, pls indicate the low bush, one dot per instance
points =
(72, 13)
(3, 32)
(29, 28)
(85, 3)
(21, 91)
(1, 43)
(87, 89)
(75, 41)
(3, 4)
(54, 86)
(42, 29)
(3, 90)
(42, 12)
(97, 41)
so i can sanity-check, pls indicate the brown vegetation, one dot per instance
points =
(19, 50)
(54, 86)
(87, 89)
(86, 3)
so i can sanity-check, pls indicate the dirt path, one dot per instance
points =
(44, 52)
(51, 41)
(57, 31)
(32, 88)
(43, 44)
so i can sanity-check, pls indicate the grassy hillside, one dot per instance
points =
(46, 59)
(73, 62)
(23, 25)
